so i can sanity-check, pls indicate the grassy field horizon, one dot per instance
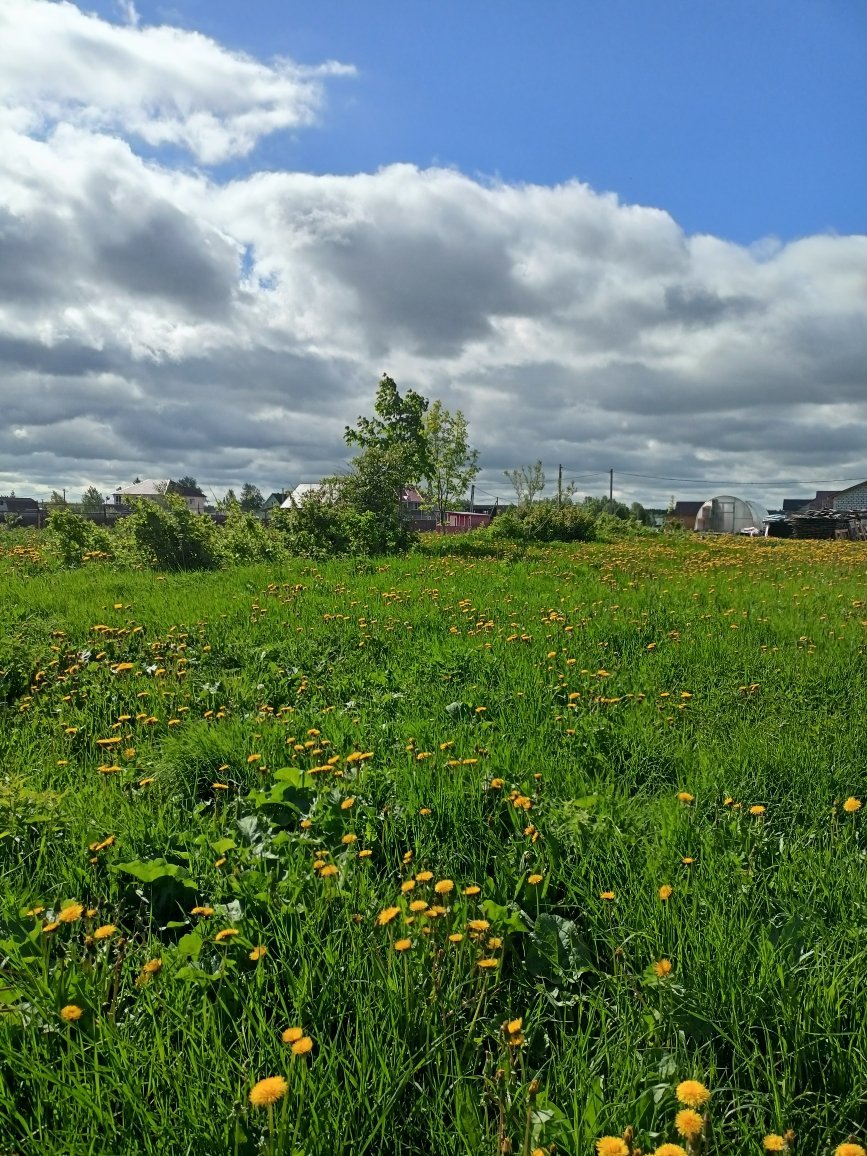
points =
(462, 854)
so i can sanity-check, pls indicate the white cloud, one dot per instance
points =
(157, 321)
(162, 85)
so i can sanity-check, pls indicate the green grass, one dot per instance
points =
(729, 670)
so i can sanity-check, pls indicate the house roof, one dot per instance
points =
(790, 505)
(300, 491)
(13, 505)
(411, 494)
(142, 489)
(687, 508)
(839, 493)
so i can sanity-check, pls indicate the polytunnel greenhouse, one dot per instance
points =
(729, 515)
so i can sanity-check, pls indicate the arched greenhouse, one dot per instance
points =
(729, 515)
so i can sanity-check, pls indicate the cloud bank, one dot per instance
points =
(157, 317)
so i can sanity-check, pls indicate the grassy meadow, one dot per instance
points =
(458, 854)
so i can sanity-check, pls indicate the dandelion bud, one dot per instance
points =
(533, 1089)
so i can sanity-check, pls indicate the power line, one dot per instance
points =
(729, 482)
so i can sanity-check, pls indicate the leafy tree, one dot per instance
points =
(396, 431)
(451, 461)
(528, 481)
(394, 455)
(187, 483)
(640, 514)
(597, 506)
(228, 501)
(92, 500)
(251, 498)
(56, 499)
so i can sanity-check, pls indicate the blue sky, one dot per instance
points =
(742, 119)
(618, 235)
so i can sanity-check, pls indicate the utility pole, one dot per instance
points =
(473, 498)
(560, 484)
(611, 485)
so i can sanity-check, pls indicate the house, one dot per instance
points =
(154, 489)
(685, 513)
(23, 510)
(824, 500)
(792, 505)
(466, 520)
(295, 497)
(274, 501)
(852, 498)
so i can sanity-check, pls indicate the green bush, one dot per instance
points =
(73, 536)
(169, 536)
(243, 538)
(544, 522)
(331, 524)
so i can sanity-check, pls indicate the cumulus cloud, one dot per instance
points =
(163, 85)
(156, 320)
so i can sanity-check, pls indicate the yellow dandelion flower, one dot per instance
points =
(607, 895)
(424, 876)
(670, 1150)
(226, 933)
(692, 1093)
(418, 905)
(687, 860)
(496, 784)
(688, 1123)
(71, 1013)
(611, 1146)
(71, 913)
(402, 944)
(849, 1149)
(105, 932)
(328, 871)
(348, 838)
(685, 797)
(267, 1092)
(386, 915)
(425, 811)
(852, 805)
(303, 1046)
(758, 809)
(35, 911)
(472, 890)
(347, 804)
(512, 1027)
(47, 928)
(444, 886)
(221, 862)
(478, 924)
(665, 891)
(495, 942)
(456, 937)
(152, 966)
(258, 953)
(774, 1143)
(662, 968)
(407, 885)
(488, 964)
(365, 854)
(205, 912)
(535, 879)
(292, 1035)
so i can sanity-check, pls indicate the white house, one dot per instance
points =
(152, 489)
